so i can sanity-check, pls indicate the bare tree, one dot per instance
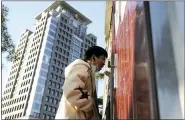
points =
(7, 45)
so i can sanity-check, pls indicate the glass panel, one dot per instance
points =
(51, 33)
(47, 52)
(48, 45)
(50, 39)
(45, 107)
(54, 110)
(34, 114)
(52, 118)
(44, 66)
(36, 106)
(54, 22)
(52, 27)
(42, 81)
(47, 99)
(49, 109)
(38, 97)
(43, 116)
(43, 73)
(39, 89)
(48, 117)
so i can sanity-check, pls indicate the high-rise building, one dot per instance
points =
(33, 89)
(90, 40)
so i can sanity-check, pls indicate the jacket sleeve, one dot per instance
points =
(76, 80)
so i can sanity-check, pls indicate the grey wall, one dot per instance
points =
(164, 33)
(176, 22)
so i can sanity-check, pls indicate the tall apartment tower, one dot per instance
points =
(34, 86)
(89, 41)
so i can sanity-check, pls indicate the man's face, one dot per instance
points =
(100, 62)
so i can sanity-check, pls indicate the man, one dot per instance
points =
(79, 94)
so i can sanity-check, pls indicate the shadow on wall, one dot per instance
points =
(141, 78)
(166, 76)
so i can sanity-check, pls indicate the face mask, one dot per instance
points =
(96, 69)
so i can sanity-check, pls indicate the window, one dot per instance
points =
(53, 68)
(59, 56)
(45, 59)
(49, 108)
(50, 82)
(57, 94)
(64, 52)
(58, 63)
(62, 18)
(53, 92)
(20, 114)
(47, 98)
(47, 52)
(52, 27)
(54, 22)
(39, 89)
(43, 116)
(61, 71)
(56, 101)
(56, 77)
(51, 33)
(48, 45)
(57, 70)
(63, 36)
(54, 61)
(54, 84)
(61, 24)
(52, 75)
(58, 42)
(44, 66)
(67, 53)
(34, 114)
(57, 48)
(45, 107)
(52, 117)
(49, 90)
(51, 100)
(48, 117)
(36, 106)
(42, 81)
(54, 109)
(50, 39)
(38, 97)
(66, 59)
(60, 78)
(58, 86)
(56, 54)
(62, 63)
(43, 73)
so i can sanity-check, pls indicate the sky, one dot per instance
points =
(22, 15)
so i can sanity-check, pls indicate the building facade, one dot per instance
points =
(34, 86)
(146, 71)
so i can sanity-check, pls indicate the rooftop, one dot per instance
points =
(68, 7)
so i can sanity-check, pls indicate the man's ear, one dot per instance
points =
(93, 57)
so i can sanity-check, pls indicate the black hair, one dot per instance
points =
(95, 50)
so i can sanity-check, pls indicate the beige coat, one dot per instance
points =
(77, 74)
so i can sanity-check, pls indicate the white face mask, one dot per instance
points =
(96, 69)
